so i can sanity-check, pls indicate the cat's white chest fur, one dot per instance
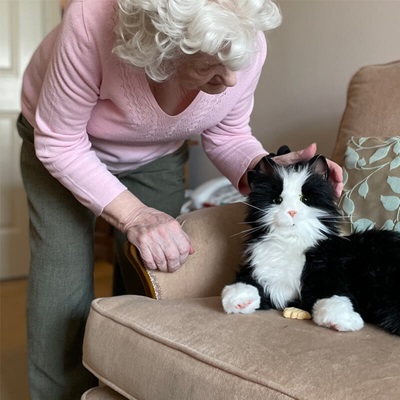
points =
(276, 259)
(277, 266)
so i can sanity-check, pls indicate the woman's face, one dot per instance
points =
(204, 72)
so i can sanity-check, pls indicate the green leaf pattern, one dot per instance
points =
(363, 189)
(395, 163)
(391, 203)
(363, 224)
(383, 158)
(394, 183)
(379, 154)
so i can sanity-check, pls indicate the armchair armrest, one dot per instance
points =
(217, 238)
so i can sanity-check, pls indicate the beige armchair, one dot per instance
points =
(177, 343)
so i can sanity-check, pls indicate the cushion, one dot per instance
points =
(371, 195)
(174, 349)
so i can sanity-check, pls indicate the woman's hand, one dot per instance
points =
(159, 238)
(335, 175)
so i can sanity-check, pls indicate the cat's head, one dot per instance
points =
(299, 196)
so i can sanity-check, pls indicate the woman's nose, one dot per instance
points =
(229, 77)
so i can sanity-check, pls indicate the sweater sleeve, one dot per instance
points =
(230, 145)
(69, 93)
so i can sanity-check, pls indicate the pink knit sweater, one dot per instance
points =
(95, 116)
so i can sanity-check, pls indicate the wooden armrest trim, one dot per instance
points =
(148, 280)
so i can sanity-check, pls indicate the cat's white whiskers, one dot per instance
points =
(247, 232)
(257, 208)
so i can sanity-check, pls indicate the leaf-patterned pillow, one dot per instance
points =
(371, 174)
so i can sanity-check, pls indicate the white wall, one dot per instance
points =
(311, 58)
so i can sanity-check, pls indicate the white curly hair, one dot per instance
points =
(155, 34)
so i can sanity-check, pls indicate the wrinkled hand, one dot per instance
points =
(159, 238)
(335, 176)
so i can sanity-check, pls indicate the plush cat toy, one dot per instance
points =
(295, 256)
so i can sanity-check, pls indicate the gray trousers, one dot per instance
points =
(60, 287)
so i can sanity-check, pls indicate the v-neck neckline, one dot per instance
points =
(157, 106)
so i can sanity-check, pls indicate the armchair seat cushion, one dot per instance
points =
(174, 349)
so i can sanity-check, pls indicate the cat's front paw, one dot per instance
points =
(240, 298)
(337, 313)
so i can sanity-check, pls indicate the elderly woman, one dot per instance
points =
(108, 100)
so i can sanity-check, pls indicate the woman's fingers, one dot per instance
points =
(297, 156)
(336, 177)
(160, 240)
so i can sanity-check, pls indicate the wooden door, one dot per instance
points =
(23, 24)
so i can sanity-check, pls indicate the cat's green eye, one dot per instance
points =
(277, 200)
(304, 199)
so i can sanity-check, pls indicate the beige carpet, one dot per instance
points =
(13, 355)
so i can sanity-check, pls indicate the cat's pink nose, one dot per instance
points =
(292, 213)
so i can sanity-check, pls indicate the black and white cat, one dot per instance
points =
(295, 255)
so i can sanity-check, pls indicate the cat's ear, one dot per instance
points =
(264, 167)
(319, 165)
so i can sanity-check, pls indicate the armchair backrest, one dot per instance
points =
(373, 106)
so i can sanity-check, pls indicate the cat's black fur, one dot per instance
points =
(365, 266)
